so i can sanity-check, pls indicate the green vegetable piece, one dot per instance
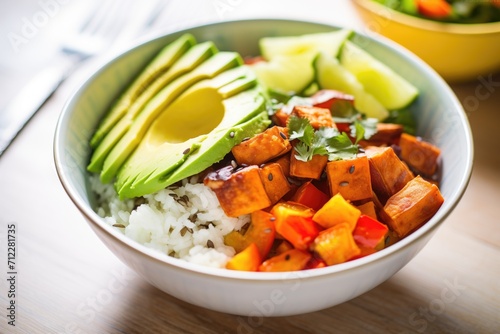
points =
(189, 61)
(153, 71)
(215, 65)
(330, 74)
(388, 87)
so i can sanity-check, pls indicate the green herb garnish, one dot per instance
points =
(326, 141)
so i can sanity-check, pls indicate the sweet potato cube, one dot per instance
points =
(246, 260)
(388, 173)
(336, 244)
(318, 117)
(239, 193)
(262, 147)
(275, 181)
(280, 117)
(337, 211)
(351, 178)
(412, 206)
(386, 135)
(291, 260)
(284, 162)
(419, 154)
(368, 209)
(311, 169)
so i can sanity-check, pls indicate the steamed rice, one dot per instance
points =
(184, 221)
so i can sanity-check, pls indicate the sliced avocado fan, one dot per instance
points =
(186, 63)
(184, 112)
(161, 63)
(194, 132)
(214, 65)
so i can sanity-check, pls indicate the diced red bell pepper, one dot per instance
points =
(246, 260)
(336, 244)
(309, 195)
(370, 233)
(261, 232)
(291, 260)
(337, 211)
(436, 9)
(294, 223)
(344, 127)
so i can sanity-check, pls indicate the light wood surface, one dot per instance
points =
(69, 282)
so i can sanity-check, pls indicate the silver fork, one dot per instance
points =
(109, 23)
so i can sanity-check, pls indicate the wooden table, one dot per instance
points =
(68, 282)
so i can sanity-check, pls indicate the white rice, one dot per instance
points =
(186, 222)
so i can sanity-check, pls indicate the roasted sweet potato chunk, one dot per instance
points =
(280, 117)
(412, 206)
(386, 135)
(239, 193)
(311, 169)
(368, 209)
(275, 181)
(318, 117)
(284, 162)
(351, 178)
(263, 147)
(419, 154)
(388, 173)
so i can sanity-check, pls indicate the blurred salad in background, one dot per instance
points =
(454, 11)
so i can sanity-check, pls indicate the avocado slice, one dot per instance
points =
(153, 71)
(213, 66)
(196, 131)
(189, 61)
(216, 147)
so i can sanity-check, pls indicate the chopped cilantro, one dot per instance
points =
(325, 141)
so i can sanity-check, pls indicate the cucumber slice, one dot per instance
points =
(330, 74)
(388, 87)
(311, 89)
(329, 42)
(290, 74)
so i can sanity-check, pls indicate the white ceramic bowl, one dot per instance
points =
(441, 119)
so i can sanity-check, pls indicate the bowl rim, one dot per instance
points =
(97, 222)
(427, 24)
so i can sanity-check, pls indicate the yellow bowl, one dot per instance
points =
(458, 52)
